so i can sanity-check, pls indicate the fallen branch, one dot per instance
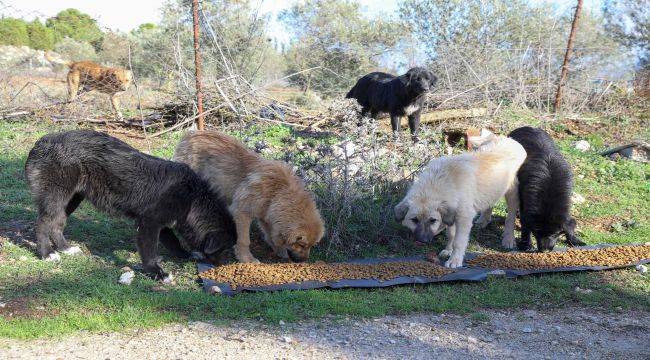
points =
(438, 115)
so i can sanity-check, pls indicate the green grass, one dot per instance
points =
(82, 293)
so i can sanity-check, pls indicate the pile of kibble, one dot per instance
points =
(609, 256)
(252, 275)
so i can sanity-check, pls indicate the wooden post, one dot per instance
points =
(567, 57)
(197, 65)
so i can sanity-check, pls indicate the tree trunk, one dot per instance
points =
(567, 57)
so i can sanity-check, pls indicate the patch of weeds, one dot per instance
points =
(480, 317)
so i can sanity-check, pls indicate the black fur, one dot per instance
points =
(64, 168)
(379, 92)
(545, 187)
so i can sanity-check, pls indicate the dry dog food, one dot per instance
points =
(610, 256)
(237, 275)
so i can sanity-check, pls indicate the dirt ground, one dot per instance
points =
(570, 333)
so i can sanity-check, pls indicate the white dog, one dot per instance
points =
(453, 189)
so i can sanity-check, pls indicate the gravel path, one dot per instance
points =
(557, 334)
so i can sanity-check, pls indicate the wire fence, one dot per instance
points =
(146, 78)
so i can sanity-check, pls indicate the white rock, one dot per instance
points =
(582, 291)
(527, 329)
(127, 278)
(281, 322)
(344, 149)
(54, 257)
(472, 340)
(23, 258)
(3, 305)
(641, 268)
(168, 279)
(287, 339)
(577, 198)
(215, 290)
(73, 250)
(582, 145)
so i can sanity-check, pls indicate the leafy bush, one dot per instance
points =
(75, 50)
(76, 25)
(40, 36)
(13, 32)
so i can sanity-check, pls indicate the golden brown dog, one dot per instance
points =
(255, 188)
(88, 75)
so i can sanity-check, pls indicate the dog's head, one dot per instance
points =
(420, 80)
(548, 237)
(295, 225)
(126, 79)
(425, 220)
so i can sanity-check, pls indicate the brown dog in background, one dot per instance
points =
(88, 75)
(255, 188)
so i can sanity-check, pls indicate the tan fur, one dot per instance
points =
(451, 190)
(255, 188)
(91, 76)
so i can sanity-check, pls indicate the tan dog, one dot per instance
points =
(451, 190)
(255, 188)
(88, 75)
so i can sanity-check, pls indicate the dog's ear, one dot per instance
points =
(434, 80)
(400, 211)
(569, 229)
(409, 77)
(447, 214)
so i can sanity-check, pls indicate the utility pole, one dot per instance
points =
(197, 64)
(567, 57)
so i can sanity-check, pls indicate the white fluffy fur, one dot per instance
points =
(465, 185)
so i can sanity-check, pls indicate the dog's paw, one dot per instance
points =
(197, 256)
(454, 262)
(72, 250)
(244, 255)
(444, 254)
(508, 241)
(53, 257)
(247, 258)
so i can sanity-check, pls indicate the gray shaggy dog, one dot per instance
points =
(65, 168)
(398, 96)
(545, 187)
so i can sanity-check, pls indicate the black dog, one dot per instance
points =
(64, 168)
(545, 186)
(396, 95)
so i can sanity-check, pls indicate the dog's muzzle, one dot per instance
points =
(546, 243)
(295, 257)
(423, 234)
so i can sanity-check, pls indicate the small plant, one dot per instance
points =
(480, 317)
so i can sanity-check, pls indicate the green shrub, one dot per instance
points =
(13, 32)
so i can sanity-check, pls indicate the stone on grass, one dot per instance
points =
(54, 257)
(641, 268)
(582, 145)
(577, 198)
(127, 278)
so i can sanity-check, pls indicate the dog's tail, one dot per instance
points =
(53, 60)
